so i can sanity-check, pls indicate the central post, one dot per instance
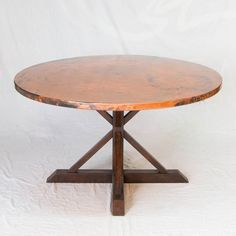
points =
(117, 201)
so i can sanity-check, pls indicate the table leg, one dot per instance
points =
(117, 176)
(117, 198)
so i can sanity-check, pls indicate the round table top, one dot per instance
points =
(119, 82)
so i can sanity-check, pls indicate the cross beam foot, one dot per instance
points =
(105, 176)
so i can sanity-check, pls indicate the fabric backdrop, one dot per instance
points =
(36, 138)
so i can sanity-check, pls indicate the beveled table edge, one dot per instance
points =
(118, 107)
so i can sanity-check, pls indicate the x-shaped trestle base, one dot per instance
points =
(117, 176)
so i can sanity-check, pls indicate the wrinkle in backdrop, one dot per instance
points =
(35, 138)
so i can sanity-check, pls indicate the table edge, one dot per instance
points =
(117, 107)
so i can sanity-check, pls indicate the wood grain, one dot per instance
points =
(120, 82)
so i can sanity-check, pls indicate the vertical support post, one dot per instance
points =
(117, 201)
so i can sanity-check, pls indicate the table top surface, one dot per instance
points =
(119, 82)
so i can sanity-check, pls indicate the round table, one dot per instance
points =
(118, 83)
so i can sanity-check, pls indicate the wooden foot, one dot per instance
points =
(81, 176)
(105, 176)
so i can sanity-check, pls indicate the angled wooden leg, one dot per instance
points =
(91, 152)
(117, 198)
(144, 152)
(59, 176)
(129, 116)
(106, 116)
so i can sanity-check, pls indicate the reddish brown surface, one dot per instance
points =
(118, 82)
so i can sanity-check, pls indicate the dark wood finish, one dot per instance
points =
(129, 116)
(105, 176)
(117, 201)
(106, 116)
(117, 176)
(81, 176)
(144, 152)
(122, 82)
(154, 176)
(91, 152)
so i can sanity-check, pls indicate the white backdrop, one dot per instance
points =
(198, 139)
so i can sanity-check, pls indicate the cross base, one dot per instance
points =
(117, 176)
(131, 176)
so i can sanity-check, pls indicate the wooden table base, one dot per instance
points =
(117, 176)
